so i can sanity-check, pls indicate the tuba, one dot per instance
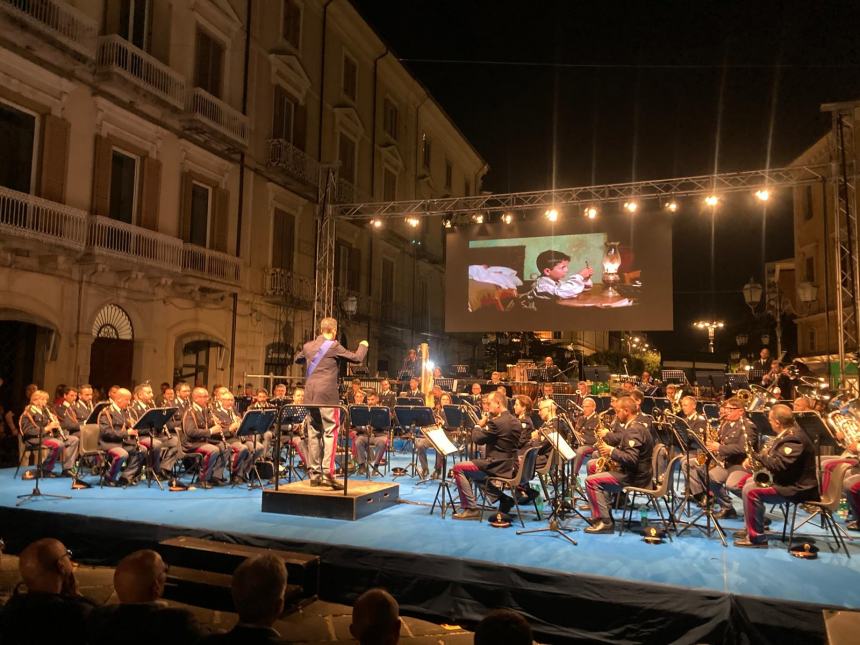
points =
(847, 425)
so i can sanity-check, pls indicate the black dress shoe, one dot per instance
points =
(727, 514)
(747, 544)
(333, 484)
(601, 526)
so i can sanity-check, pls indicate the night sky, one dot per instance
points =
(574, 93)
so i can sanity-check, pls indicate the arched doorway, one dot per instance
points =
(198, 359)
(24, 347)
(112, 351)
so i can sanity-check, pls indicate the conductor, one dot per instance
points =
(321, 357)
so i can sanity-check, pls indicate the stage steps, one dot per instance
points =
(201, 572)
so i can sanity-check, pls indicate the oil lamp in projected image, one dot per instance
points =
(611, 264)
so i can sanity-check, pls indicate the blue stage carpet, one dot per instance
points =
(691, 561)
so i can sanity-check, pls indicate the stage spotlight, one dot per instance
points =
(551, 215)
(478, 218)
(376, 222)
(447, 222)
(712, 200)
(762, 195)
(413, 221)
(507, 218)
(591, 212)
(671, 206)
(631, 206)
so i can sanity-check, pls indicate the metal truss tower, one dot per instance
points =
(843, 178)
(324, 277)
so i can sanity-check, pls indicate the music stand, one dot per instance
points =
(692, 439)
(596, 373)
(151, 420)
(413, 417)
(257, 423)
(455, 417)
(363, 416)
(443, 447)
(291, 415)
(817, 431)
(565, 454)
(447, 384)
(762, 425)
(409, 401)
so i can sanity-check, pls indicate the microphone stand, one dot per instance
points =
(37, 493)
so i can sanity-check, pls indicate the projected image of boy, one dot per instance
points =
(554, 281)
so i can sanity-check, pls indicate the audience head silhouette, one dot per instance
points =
(46, 567)
(140, 577)
(376, 618)
(503, 626)
(259, 585)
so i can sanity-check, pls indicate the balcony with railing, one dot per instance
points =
(118, 56)
(215, 114)
(210, 264)
(115, 239)
(290, 286)
(27, 217)
(57, 20)
(294, 162)
(348, 193)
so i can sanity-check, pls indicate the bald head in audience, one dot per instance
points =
(259, 587)
(140, 577)
(376, 618)
(46, 567)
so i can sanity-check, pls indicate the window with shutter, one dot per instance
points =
(346, 156)
(449, 174)
(283, 239)
(341, 265)
(134, 22)
(283, 115)
(17, 141)
(354, 282)
(389, 185)
(208, 64)
(389, 116)
(200, 215)
(350, 77)
(124, 169)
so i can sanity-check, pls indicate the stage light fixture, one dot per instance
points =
(376, 222)
(447, 222)
(507, 218)
(762, 195)
(413, 221)
(552, 215)
(631, 206)
(671, 206)
(478, 218)
(591, 212)
(712, 200)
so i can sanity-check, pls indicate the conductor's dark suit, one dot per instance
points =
(321, 389)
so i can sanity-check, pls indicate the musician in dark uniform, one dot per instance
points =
(648, 385)
(367, 438)
(586, 426)
(698, 423)
(522, 411)
(387, 396)
(414, 391)
(242, 452)
(355, 388)
(790, 459)
(120, 441)
(83, 405)
(182, 402)
(547, 392)
(198, 426)
(735, 430)
(322, 357)
(501, 438)
(475, 395)
(550, 371)
(65, 412)
(142, 403)
(37, 420)
(411, 364)
(547, 410)
(631, 447)
(581, 393)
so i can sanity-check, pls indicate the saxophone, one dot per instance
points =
(762, 477)
(712, 433)
(603, 464)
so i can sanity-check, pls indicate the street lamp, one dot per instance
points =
(773, 305)
(752, 294)
(712, 326)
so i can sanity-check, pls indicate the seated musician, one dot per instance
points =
(140, 405)
(582, 392)
(198, 426)
(37, 420)
(698, 423)
(261, 400)
(387, 396)
(547, 392)
(414, 391)
(437, 375)
(120, 441)
(298, 436)
(371, 437)
(522, 411)
(734, 434)
(630, 450)
(65, 412)
(648, 385)
(411, 364)
(801, 404)
(501, 438)
(355, 389)
(83, 406)
(496, 378)
(436, 392)
(548, 411)
(243, 451)
(672, 396)
(586, 425)
(182, 402)
(475, 394)
(790, 459)
(551, 371)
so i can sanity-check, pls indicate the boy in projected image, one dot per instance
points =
(554, 282)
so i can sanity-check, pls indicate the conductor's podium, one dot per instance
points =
(363, 498)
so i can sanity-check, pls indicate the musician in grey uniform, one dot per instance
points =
(37, 420)
(322, 357)
(120, 441)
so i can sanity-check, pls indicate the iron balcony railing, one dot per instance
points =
(58, 20)
(113, 238)
(216, 114)
(118, 56)
(33, 218)
(284, 283)
(296, 163)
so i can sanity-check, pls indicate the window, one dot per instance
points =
(291, 26)
(201, 210)
(387, 295)
(209, 64)
(18, 142)
(808, 204)
(449, 174)
(389, 185)
(346, 156)
(283, 236)
(350, 77)
(425, 151)
(134, 16)
(123, 186)
(347, 267)
(389, 118)
(809, 269)
(283, 115)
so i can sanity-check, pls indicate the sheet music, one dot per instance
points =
(557, 441)
(440, 440)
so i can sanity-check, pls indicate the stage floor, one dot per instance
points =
(691, 562)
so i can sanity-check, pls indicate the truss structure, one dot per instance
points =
(661, 189)
(842, 153)
(325, 247)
